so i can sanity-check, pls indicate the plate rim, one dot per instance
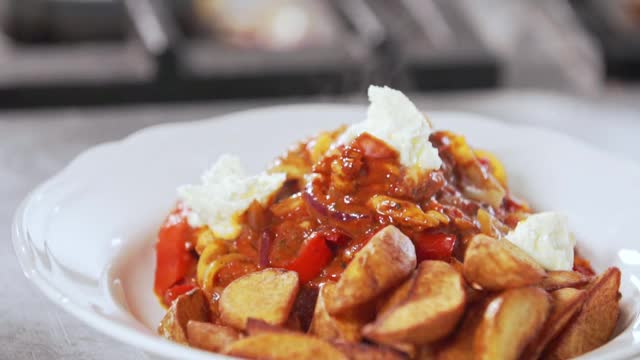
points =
(156, 345)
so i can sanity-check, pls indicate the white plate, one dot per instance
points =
(86, 236)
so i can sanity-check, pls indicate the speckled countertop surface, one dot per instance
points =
(36, 144)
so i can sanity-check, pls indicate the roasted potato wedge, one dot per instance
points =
(345, 326)
(511, 320)
(431, 310)
(265, 295)
(395, 297)
(564, 279)
(566, 303)
(211, 337)
(190, 306)
(362, 351)
(409, 350)
(498, 264)
(460, 345)
(257, 327)
(386, 260)
(285, 346)
(594, 324)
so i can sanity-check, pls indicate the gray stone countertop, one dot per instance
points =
(36, 144)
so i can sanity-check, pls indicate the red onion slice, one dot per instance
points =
(265, 248)
(318, 206)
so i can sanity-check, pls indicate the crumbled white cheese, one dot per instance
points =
(394, 119)
(225, 193)
(546, 238)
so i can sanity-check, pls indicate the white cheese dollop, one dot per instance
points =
(546, 238)
(394, 119)
(225, 193)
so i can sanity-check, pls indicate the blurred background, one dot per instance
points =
(86, 52)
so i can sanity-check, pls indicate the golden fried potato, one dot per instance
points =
(386, 260)
(345, 326)
(190, 306)
(431, 310)
(498, 264)
(594, 324)
(257, 327)
(265, 295)
(409, 350)
(362, 351)
(566, 303)
(211, 337)
(564, 279)
(473, 294)
(285, 346)
(511, 320)
(395, 297)
(460, 345)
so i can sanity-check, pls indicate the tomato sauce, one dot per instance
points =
(316, 226)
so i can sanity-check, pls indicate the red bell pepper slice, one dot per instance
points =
(434, 246)
(313, 256)
(173, 257)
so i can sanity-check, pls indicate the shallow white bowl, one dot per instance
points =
(86, 236)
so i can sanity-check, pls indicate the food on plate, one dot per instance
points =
(362, 351)
(345, 326)
(459, 346)
(267, 295)
(192, 306)
(256, 327)
(567, 302)
(209, 336)
(385, 239)
(556, 280)
(284, 346)
(498, 264)
(594, 324)
(387, 259)
(431, 309)
(510, 321)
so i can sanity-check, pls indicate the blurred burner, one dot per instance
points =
(616, 26)
(63, 21)
(71, 52)
(434, 47)
(86, 52)
(268, 24)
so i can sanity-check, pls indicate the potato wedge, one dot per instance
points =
(566, 303)
(386, 260)
(257, 327)
(362, 351)
(596, 321)
(409, 350)
(564, 279)
(285, 346)
(395, 297)
(345, 326)
(190, 306)
(431, 310)
(266, 295)
(511, 320)
(460, 345)
(498, 264)
(211, 337)
(473, 294)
